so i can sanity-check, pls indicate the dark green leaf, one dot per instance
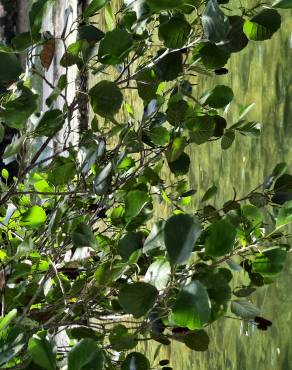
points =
(219, 97)
(174, 32)
(84, 354)
(176, 149)
(16, 111)
(176, 112)
(244, 309)
(181, 165)
(282, 4)
(156, 237)
(285, 214)
(22, 41)
(263, 25)
(93, 8)
(36, 15)
(10, 67)
(50, 123)
(201, 128)
(220, 238)
(192, 306)
(121, 340)
(135, 361)
(138, 298)
(83, 236)
(42, 350)
(197, 340)
(170, 66)
(159, 135)
(212, 56)
(103, 179)
(211, 192)
(115, 46)
(131, 242)
(227, 139)
(237, 39)
(147, 83)
(180, 235)
(270, 262)
(62, 171)
(12, 341)
(135, 201)
(158, 5)
(105, 98)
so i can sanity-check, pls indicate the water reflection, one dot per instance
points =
(261, 74)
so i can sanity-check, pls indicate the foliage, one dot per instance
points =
(82, 255)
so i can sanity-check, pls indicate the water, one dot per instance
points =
(262, 73)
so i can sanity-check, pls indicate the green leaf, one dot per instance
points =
(17, 110)
(284, 215)
(159, 135)
(90, 33)
(170, 66)
(93, 8)
(42, 350)
(215, 22)
(131, 242)
(174, 32)
(156, 237)
(83, 236)
(135, 361)
(12, 342)
(147, 83)
(103, 179)
(198, 340)
(220, 238)
(105, 98)
(181, 165)
(180, 235)
(158, 273)
(237, 39)
(22, 41)
(5, 174)
(244, 309)
(121, 340)
(252, 214)
(13, 148)
(219, 97)
(85, 355)
(176, 112)
(270, 261)
(210, 193)
(34, 217)
(138, 298)
(201, 128)
(158, 5)
(63, 170)
(227, 139)
(192, 306)
(50, 123)
(176, 149)
(212, 56)
(115, 46)
(263, 25)
(5, 320)
(36, 15)
(282, 4)
(10, 67)
(135, 201)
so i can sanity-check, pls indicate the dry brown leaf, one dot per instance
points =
(47, 53)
